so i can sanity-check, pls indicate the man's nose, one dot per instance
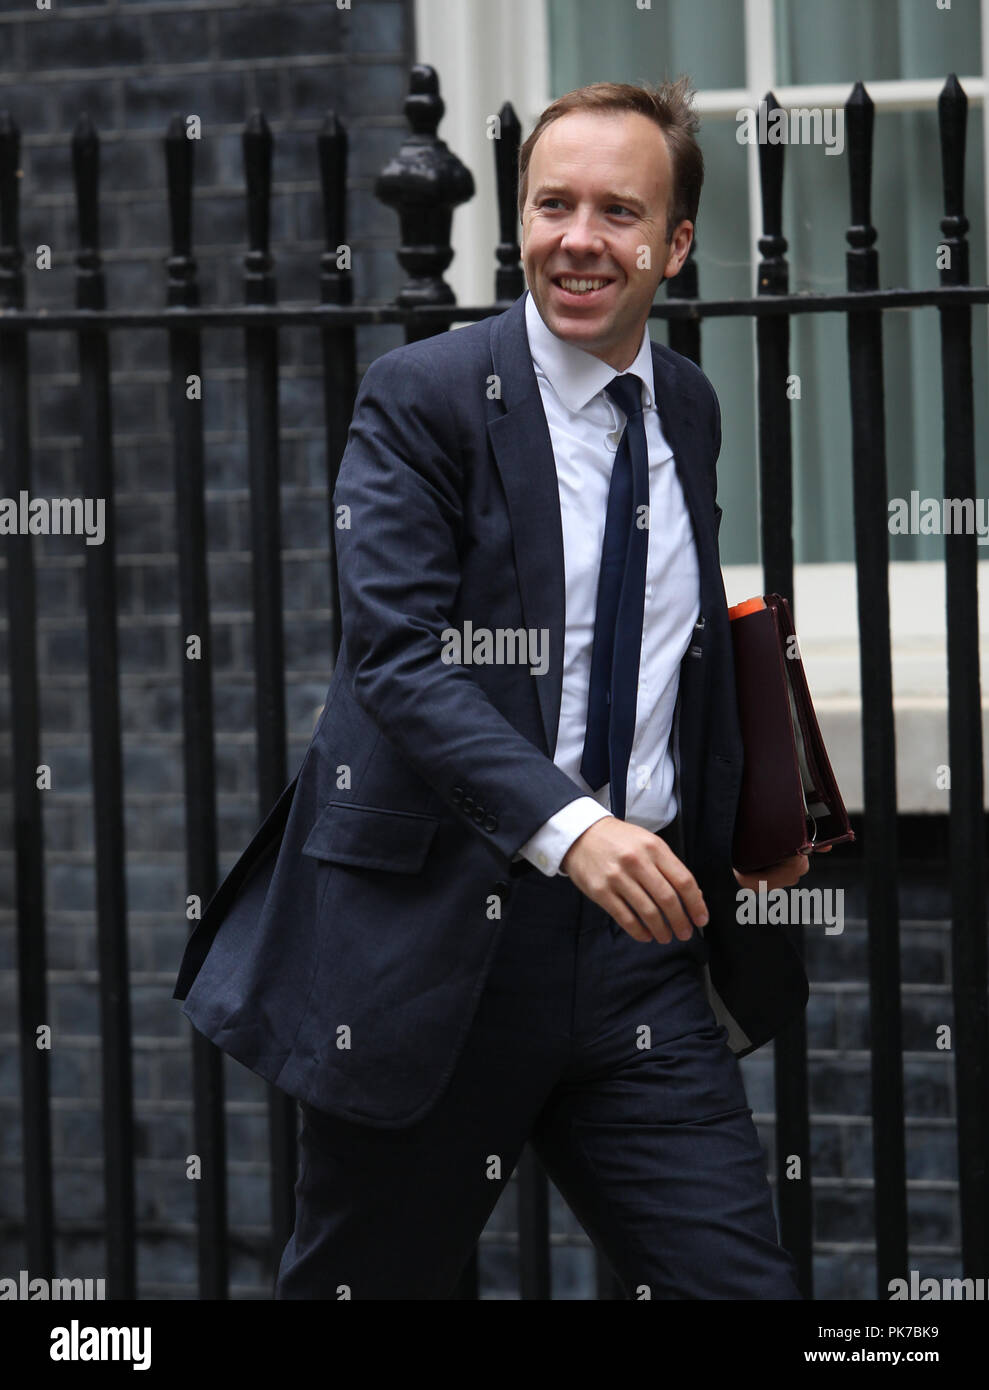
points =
(582, 235)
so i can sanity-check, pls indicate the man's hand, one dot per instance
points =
(637, 879)
(783, 874)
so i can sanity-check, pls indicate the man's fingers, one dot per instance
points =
(653, 916)
(619, 911)
(676, 873)
(666, 898)
(637, 879)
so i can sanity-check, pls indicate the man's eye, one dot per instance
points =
(546, 201)
(620, 207)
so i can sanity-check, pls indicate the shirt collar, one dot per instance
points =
(574, 374)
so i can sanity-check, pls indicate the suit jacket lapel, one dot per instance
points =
(678, 414)
(523, 453)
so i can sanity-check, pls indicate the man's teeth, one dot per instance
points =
(581, 286)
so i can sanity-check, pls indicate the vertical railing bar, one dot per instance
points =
(199, 764)
(533, 1184)
(967, 819)
(685, 334)
(881, 855)
(792, 1131)
(533, 1208)
(26, 742)
(104, 695)
(266, 576)
(509, 276)
(535, 1275)
(424, 182)
(339, 346)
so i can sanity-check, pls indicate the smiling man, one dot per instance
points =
(601, 227)
(496, 905)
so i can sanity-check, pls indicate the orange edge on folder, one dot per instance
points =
(751, 605)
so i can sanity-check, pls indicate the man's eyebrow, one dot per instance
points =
(555, 190)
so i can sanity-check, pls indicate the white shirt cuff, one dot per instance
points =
(551, 841)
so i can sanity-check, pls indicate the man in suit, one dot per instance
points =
(496, 905)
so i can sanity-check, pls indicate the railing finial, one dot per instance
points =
(11, 254)
(90, 285)
(424, 182)
(336, 281)
(259, 278)
(182, 286)
(952, 113)
(861, 259)
(774, 272)
(509, 278)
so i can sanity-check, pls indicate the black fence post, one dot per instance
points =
(532, 1192)
(865, 376)
(266, 576)
(424, 182)
(794, 1194)
(966, 824)
(336, 283)
(29, 850)
(509, 277)
(199, 762)
(684, 333)
(773, 367)
(104, 709)
(533, 1216)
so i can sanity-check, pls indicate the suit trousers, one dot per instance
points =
(603, 1053)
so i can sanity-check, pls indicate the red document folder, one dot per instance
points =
(789, 801)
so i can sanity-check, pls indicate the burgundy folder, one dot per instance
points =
(789, 801)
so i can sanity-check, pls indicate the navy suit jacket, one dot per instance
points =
(344, 954)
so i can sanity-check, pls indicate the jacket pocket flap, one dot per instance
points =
(371, 837)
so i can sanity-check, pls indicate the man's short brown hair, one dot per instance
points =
(668, 105)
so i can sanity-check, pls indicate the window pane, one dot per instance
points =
(591, 42)
(724, 267)
(844, 40)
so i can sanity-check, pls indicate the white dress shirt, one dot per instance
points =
(585, 428)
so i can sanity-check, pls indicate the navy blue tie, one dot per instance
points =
(620, 600)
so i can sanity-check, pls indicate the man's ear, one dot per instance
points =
(680, 244)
